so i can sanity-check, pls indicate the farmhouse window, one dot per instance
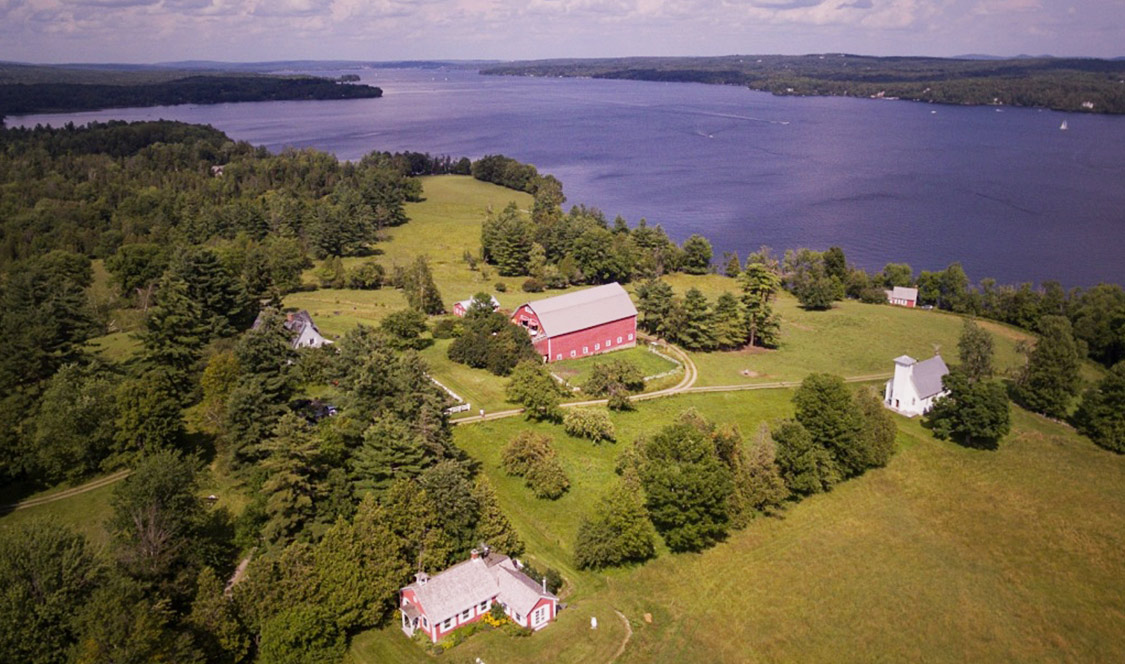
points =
(447, 624)
(484, 606)
(465, 614)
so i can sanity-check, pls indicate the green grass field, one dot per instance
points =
(577, 371)
(947, 554)
(86, 513)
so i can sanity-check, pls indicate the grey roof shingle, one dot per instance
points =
(927, 376)
(583, 309)
(473, 581)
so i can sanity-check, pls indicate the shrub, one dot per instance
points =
(619, 374)
(500, 287)
(448, 327)
(547, 479)
(533, 285)
(522, 451)
(531, 456)
(586, 423)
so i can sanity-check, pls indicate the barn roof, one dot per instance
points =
(927, 376)
(583, 309)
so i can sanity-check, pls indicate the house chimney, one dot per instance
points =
(544, 585)
(474, 554)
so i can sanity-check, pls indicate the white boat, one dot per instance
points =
(1063, 126)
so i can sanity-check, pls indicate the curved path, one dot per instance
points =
(685, 386)
(74, 491)
(690, 376)
(628, 635)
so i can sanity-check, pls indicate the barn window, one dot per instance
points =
(559, 356)
(597, 346)
(619, 339)
(630, 336)
(573, 353)
(585, 350)
(608, 343)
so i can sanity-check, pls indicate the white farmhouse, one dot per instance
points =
(915, 385)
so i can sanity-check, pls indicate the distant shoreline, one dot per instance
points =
(63, 97)
(1071, 84)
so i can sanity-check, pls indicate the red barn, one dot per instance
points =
(464, 593)
(586, 322)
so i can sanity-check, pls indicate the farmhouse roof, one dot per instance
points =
(466, 303)
(583, 309)
(473, 581)
(903, 293)
(927, 376)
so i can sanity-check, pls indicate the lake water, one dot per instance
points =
(1004, 191)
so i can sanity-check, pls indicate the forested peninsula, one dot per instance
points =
(1064, 84)
(62, 94)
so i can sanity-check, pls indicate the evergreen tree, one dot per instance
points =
(1050, 380)
(224, 307)
(728, 327)
(877, 436)
(975, 413)
(1101, 415)
(759, 288)
(174, 333)
(765, 488)
(390, 451)
(827, 411)
(290, 463)
(618, 532)
(136, 268)
(214, 619)
(686, 485)
(418, 286)
(695, 331)
(696, 255)
(265, 356)
(732, 267)
(506, 241)
(975, 349)
(301, 634)
(453, 512)
(654, 302)
(806, 467)
(493, 527)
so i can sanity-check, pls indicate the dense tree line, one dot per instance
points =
(25, 98)
(556, 249)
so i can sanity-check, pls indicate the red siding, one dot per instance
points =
(591, 341)
(525, 317)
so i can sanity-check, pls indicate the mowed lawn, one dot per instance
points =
(947, 554)
(578, 371)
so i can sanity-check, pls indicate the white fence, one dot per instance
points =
(679, 365)
(461, 406)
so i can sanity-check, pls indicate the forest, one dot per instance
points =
(58, 97)
(1064, 84)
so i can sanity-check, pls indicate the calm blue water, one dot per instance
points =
(1006, 193)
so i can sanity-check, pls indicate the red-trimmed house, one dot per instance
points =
(465, 592)
(903, 297)
(461, 308)
(586, 322)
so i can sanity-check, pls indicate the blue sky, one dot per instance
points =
(253, 30)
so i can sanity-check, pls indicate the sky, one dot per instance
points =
(147, 31)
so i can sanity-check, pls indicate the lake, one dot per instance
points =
(1002, 190)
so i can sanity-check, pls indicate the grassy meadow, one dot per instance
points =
(947, 554)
